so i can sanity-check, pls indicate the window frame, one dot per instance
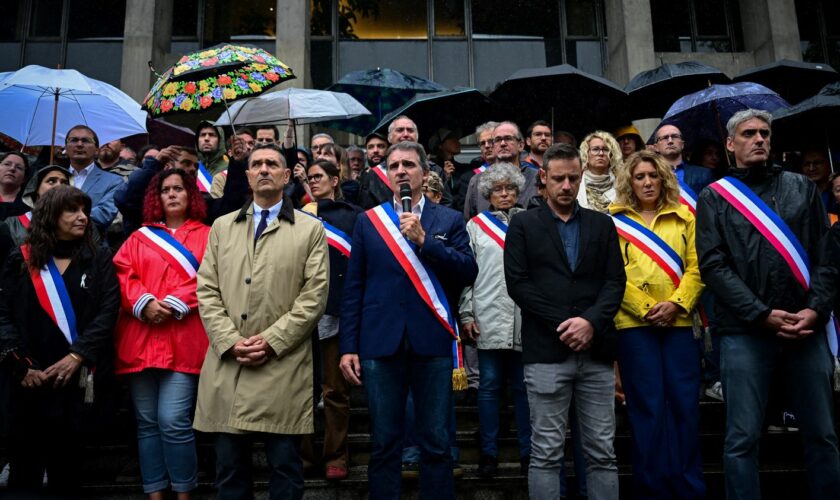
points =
(735, 42)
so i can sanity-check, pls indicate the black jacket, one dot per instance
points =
(343, 216)
(541, 282)
(747, 275)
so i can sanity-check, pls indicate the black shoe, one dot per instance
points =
(524, 463)
(488, 467)
(410, 470)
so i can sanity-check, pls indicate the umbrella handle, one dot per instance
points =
(227, 109)
(55, 117)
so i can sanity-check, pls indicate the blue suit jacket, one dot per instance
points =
(380, 305)
(697, 177)
(101, 186)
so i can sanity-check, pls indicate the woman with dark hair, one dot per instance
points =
(14, 172)
(338, 217)
(59, 299)
(338, 156)
(160, 341)
(47, 178)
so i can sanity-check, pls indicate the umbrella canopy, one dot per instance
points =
(214, 76)
(460, 109)
(162, 133)
(302, 105)
(381, 91)
(40, 105)
(703, 115)
(793, 80)
(814, 120)
(567, 97)
(653, 91)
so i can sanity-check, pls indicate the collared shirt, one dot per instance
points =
(79, 177)
(273, 212)
(416, 209)
(570, 235)
(679, 171)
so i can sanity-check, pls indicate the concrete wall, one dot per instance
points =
(148, 31)
(630, 39)
(770, 30)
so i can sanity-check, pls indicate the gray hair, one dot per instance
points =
(392, 125)
(409, 146)
(746, 115)
(486, 127)
(500, 172)
(316, 136)
(515, 126)
(354, 148)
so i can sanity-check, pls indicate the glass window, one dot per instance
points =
(807, 17)
(671, 24)
(321, 67)
(96, 19)
(711, 18)
(695, 25)
(449, 18)
(46, 18)
(185, 18)
(320, 22)
(226, 20)
(382, 19)
(581, 17)
(831, 17)
(515, 18)
(9, 22)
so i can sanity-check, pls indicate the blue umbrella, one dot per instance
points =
(381, 91)
(703, 114)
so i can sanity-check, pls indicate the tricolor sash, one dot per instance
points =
(780, 237)
(336, 238)
(688, 197)
(490, 224)
(651, 245)
(386, 223)
(25, 219)
(170, 249)
(203, 179)
(383, 176)
(480, 169)
(53, 296)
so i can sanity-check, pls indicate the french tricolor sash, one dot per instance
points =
(336, 238)
(172, 250)
(203, 179)
(386, 223)
(780, 237)
(490, 224)
(651, 245)
(25, 219)
(688, 197)
(53, 297)
(383, 176)
(480, 169)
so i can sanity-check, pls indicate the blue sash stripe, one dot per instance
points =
(496, 222)
(685, 187)
(64, 296)
(656, 239)
(164, 235)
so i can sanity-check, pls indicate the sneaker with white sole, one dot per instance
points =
(715, 391)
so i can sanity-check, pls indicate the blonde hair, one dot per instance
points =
(609, 141)
(669, 194)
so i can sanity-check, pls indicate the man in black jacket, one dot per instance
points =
(563, 268)
(771, 321)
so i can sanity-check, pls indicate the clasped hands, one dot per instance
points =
(59, 373)
(157, 311)
(253, 351)
(662, 314)
(791, 326)
(576, 333)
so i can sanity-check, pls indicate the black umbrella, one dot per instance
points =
(814, 121)
(460, 109)
(566, 97)
(793, 80)
(652, 92)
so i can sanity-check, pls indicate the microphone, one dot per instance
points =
(405, 197)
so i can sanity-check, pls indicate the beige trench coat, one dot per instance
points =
(278, 289)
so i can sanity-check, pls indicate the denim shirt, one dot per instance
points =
(570, 235)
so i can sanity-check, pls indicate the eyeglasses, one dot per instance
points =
(505, 138)
(506, 188)
(315, 177)
(599, 151)
(666, 138)
(82, 140)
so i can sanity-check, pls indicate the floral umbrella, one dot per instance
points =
(213, 76)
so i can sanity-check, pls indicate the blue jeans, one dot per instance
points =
(234, 467)
(550, 389)
(163, 402)
(748, 363)
(495, 364)
(661, 377)
(411, 450)
(387, 382)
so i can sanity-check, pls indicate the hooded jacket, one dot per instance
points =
(215, 161)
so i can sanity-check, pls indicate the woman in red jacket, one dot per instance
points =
(160, 341)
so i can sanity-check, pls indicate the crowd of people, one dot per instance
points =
(237, 286)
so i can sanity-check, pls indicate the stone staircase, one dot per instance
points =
(110, 473)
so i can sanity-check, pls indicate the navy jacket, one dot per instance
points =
(380, 305)
(696, 177)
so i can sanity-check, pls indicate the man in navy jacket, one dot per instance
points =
(391, 339)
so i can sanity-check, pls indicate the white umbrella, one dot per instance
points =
(40, 105)
(301, 105)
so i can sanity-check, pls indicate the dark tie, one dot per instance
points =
(261, 226)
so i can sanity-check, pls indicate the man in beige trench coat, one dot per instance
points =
(261, 288)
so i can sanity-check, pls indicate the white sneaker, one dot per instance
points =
(4, 477)
(715, 391)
